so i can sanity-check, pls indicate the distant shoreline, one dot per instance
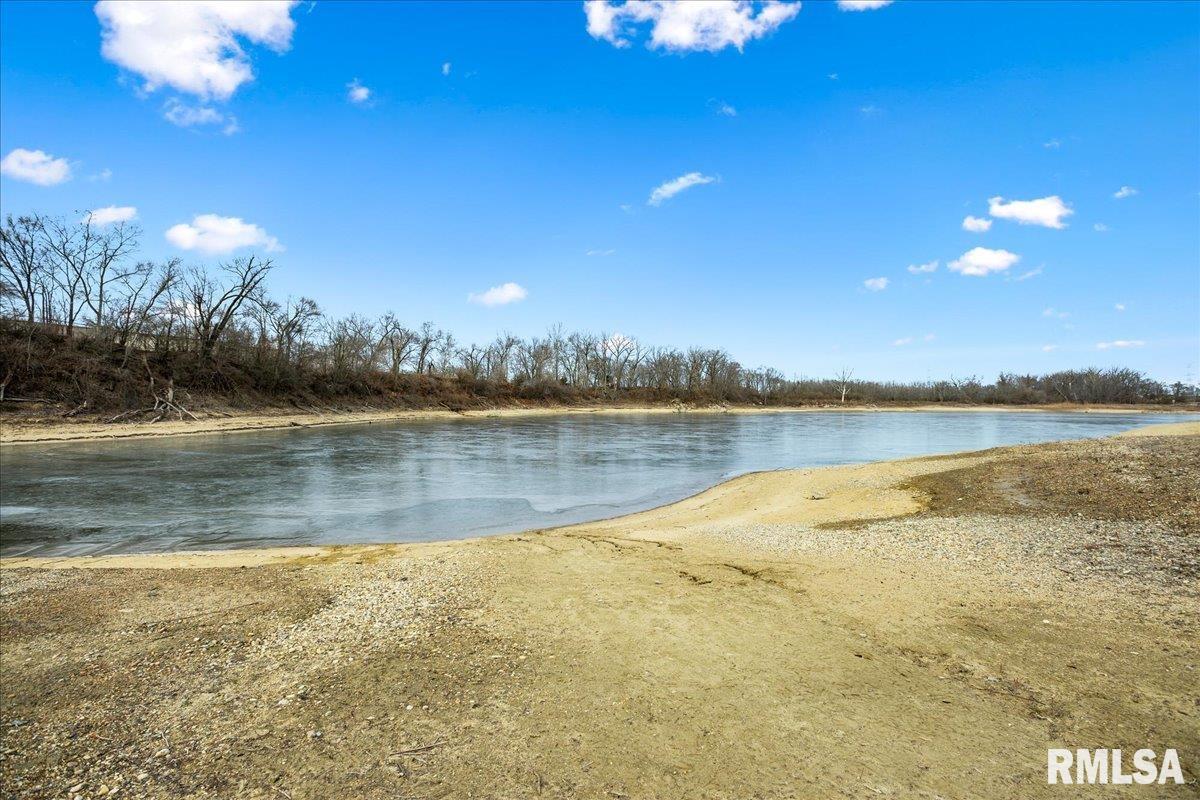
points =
(16, 430)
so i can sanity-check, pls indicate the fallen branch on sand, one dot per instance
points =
(415, 750)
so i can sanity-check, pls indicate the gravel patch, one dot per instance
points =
(14, 583)
(1149, 555)
(373, 607)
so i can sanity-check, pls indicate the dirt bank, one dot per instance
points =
(920, 628)
(23, 429)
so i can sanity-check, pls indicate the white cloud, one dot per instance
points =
(929, 337)
(1049, 348)
(928, 266)
(683, 25)
(1046, 211)
(876, 284)
(833, 76)
(862, 5)
(446, 68)
(34, 166)
(979, 261)
(192, 46)
(210, 233)
(1120, 344)
(186, 116)
(1024, 276)
(357, 93)
(1054, 313)
(1100, 227)
(1125, 191)
(1119, 307)
(1053, 144)
(676, 185)
(870, 110)
(902, 342)
(500, 295)
(723, 108)
(103, 175)
(600, 252)
(110, 214)
(976, 224)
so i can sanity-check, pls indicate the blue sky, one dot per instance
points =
(540, 143)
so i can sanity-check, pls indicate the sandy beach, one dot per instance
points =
(917, 628)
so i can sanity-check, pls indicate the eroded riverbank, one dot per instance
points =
(907, 628)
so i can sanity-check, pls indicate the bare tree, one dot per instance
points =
(843, 380)
(290, 324)
(22, 261)
(72, 248)
(399, 341)
(426, 339)
(211, 307)
(105, 267)
(144, 291)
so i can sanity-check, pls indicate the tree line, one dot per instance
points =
(73, 286)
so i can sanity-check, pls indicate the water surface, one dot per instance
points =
(418, 481)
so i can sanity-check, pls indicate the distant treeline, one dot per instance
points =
(87, 324)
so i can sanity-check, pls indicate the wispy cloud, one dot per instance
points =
(1053, 144)
(1125, 191)
(1054, 313)
(919, 269)
(357, 93)
(35, 166)
(1100, 227)
(981, 261)
(683, 26)
(1120, 344)
(876, 284)
(862, 5)
(110, 214)
(907, 340)
(600, 252)
(1048, 212)
(722, 108)
(183, 115)
(1049, 348)
(446, 68)
(669, 189)
(500, 295)
(1024, 276)
(1119, 307)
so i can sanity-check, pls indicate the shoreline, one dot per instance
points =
(848, 493)
(18, 431)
